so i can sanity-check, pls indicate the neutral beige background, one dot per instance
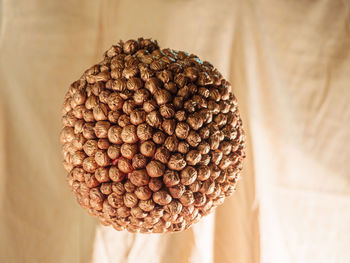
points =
(289, 65)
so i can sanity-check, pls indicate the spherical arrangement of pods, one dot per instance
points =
(152, 138)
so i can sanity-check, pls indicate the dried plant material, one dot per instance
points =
(183, 147)
(155, 184)
(128, 150)
(129, 135)
(159, 137)
(177, 162)
(102, 158)
(124, 165)
(155, 168)
(182, 130)
(114, 135)
(139, 161)
(147, 148)
(139, 177)
(152, 139)
(137, 117)
(193, 157)
(162, 197)
(154, 119)
(162, 154)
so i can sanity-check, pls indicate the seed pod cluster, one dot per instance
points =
(152, 139)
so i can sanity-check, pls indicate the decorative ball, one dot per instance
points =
(152, 138)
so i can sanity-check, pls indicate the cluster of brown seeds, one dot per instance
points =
(152, 139)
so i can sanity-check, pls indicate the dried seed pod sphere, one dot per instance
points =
(152, 138)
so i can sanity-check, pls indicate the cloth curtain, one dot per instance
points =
(289, 66)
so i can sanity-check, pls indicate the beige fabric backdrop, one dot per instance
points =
(289, 65)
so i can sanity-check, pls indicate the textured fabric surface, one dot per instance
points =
(289, 65)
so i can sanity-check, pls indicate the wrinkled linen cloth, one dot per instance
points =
(289, 65)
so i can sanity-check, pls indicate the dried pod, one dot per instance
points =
(106, 188)
(124, 120)
(123, 212)
(187, 198)
(116, 174)
(193, 157)
(78, 126)
(167, 111)
(103, 144)
(216, 157)
(168, 126)
(155, 168)
(130, 47)
(171, 178)
(141, 96)
(153, 84)
(149, 106)
(154, 119)
(134, 83)
(195, 121)
(195, 186)
(139, 177)
(177, 162)
(137, 212)
(113, 116)
(129, 106)
(78, 158)
(162, 154)
(183, 147)
(88, 115)
(139, 161)
(147, 205)
(124, 165)
(208, 186)
(171, 143)
(148, 148)
(129, 186)
(130, 200)
(128, 150)
(143, 192)
(130, 72)
(137, 117)
(193, 139)
(88, 131)
(100, 112)
(188, 175)
(144, 132)
(91, 102)
(182, 130)
(129, 135)
(158, 137)
(162, 96)
(155, 184)
(118, 188)
(114, 135)
(115, 102)
(178, 102)
(101, 158)
(181, 115)
(203, 172)
(205, 159)
(162, 197)
(114, 151)
(67, 135)
(177, 191)
(91, 180)
(89, 164)
(101, 129)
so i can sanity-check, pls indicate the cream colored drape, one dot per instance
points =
(289, 65)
